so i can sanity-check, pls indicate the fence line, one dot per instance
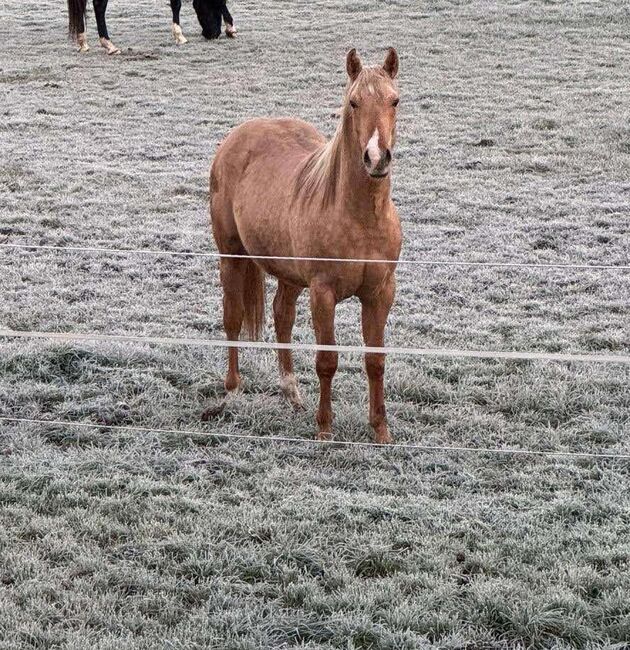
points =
(327, 444)
(288, 258)
(312, 347)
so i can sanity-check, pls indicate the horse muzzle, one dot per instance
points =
(381, 168)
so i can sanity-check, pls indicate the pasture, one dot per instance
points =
(514, 146)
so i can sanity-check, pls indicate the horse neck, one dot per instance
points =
(363, 197)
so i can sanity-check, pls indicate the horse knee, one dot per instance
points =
(378, 416)
(375, 366)
(326, 364)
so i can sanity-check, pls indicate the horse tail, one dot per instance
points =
(254, 300)
(76, 16)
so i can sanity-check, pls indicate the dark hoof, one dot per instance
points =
(212, 412)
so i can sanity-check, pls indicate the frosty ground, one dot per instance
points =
(514, 145)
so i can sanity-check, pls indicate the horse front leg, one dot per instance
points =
(323, 303)
(100, 8)
(374, 313)
(176, 30)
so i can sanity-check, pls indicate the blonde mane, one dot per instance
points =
(319, 174)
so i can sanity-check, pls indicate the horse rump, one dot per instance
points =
(209, 13)
(76, 17)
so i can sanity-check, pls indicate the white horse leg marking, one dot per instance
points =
(178, 34)
(374, 151)
(230, 30)
(82, 42)
(289, 388)
(109, 47)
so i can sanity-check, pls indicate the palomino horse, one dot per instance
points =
(278, 188)
(209, 13)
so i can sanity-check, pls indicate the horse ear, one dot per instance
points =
(391, 63)
(353, 64)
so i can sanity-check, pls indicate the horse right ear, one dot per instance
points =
(353, 64)
(391, 63)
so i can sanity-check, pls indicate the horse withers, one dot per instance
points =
(279, 189)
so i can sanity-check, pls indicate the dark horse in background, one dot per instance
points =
(209, 12)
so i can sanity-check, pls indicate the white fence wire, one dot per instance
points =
(313, 347)
(326, 444)
(455, 263)
(409, 351)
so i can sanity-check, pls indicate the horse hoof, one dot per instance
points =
(178, 35)
(233, 385)
(324, 436)
(109, 47)
(230, 32)
(290, 390)
(383, 438)
(212, 412)
(82, 43)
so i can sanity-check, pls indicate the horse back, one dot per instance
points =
(267, 145)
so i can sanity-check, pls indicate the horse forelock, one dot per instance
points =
(371, 81)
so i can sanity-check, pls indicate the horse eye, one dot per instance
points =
(353, 103)
(395, 102)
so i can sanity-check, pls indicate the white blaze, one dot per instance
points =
(374, 151)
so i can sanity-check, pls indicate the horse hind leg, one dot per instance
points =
(233, 280)
(284, 318)
(176, 30)
(100, 7)
(76, 23)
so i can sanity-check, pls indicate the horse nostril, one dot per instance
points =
(366, 158)
(386, 158)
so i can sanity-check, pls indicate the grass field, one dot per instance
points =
(514, 145)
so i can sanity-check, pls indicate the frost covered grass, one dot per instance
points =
(513, 146)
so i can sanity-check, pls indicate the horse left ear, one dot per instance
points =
(391, 63)
(353, 64)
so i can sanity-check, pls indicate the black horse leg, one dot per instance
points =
(176, 6)
(100, 7)
(225, 12)
(176, 30)
(209, 15)
(230, 32)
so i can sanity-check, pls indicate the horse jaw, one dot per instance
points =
(109, 47)
(178, 35)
